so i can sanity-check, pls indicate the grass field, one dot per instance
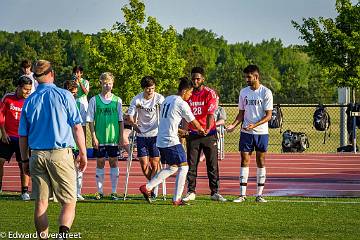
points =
(280, 218)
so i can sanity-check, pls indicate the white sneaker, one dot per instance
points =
(25, 196)
(260, 199)
(190, 196)
(218, 197)
(80, 198)
(240, 199)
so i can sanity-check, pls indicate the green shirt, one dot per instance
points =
(106, 120)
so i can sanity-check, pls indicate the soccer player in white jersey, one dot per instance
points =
(145, 106)
(172, 111)
(255, 108)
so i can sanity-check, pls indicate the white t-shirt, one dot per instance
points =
(173, 109)
(92, 107)
(255, 103)
(146, 110)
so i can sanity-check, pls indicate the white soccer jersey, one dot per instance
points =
(255, 103)
(146, 110)
(173, 109)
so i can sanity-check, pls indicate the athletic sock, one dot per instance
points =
(260, 179)
(244, 175)
(180, 182)
(100, 175)
(114, 176)
(63, 230)
(24, 190)
(79, 180)
(162, 175)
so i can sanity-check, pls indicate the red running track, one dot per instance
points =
(311, 175)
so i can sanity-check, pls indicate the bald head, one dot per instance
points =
(43, 71)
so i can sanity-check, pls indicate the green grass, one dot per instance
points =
(280, 218)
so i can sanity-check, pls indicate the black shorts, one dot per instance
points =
(107, 151)
(7, 150)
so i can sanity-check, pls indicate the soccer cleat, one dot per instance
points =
(146, 193)
(80, 198)
(25, 196)
(98, 196)
(260, 199)
(240, 199)
(190, 196)
(180, 202)
(114, 196)
(218, 197)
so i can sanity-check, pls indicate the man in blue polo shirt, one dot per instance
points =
(49, 124)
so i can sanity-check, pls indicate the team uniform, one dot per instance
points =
(106, 115)
(172, 111)
(81, 99)
(11, 107)
(147, 119)
(202, 103)
(254, 103)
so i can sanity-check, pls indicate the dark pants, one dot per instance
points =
(207, 144)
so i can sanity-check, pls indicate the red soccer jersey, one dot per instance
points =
(10, 113)
(203, 103)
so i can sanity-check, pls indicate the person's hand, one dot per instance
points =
(183, 133)
(82, 162)
(5, 138)
(249, 127)
(95, 143)
(26, 168)
(136, 128)
(230, 128)
(121, 142)
(202, 132)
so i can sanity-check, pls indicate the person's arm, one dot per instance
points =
(83, 86)
(121, 135)
(24, 152)
(197, 125)
(4, 137)
(239, 118)
(94, 140)
(132, 112)
(79, 138)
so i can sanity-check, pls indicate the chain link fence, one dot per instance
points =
(297, 118)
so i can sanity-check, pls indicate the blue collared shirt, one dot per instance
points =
(47, 118)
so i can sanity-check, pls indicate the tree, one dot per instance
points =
(131, 51)
(335, 43)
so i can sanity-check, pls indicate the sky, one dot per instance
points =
(235, 20)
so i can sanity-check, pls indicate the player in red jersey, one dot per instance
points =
(11, 106)
(203, 105)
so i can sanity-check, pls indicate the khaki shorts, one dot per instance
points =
(53, 171)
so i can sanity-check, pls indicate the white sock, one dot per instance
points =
(79, 180)
(260, 179)
(114, 176)
(180, 182)
(159, 177)
(100, 175)
(244, 175)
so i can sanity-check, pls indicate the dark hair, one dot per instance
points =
(251, 69)
(26, 63)
(23, 80)
(78, 68)
(198, 70)
(185, 83)
(147, 81)
(69, 84)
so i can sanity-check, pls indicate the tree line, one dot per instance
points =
(140, 46)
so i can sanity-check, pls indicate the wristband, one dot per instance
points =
(25, 161)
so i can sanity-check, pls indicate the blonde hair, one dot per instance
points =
(106, 76)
